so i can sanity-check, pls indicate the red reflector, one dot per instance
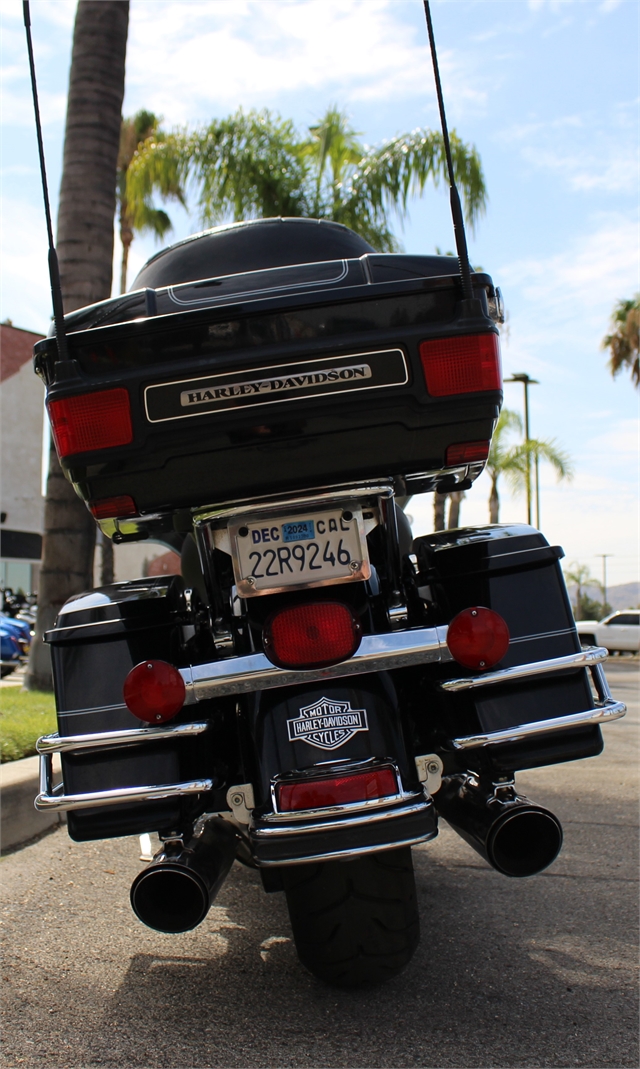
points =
(466, 364)
(154, 691)
(310, 636)
(478, 637)
(319, 793)
(465, 452)
(91, 421)
(111, 508)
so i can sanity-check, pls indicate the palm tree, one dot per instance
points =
(85, 250)
(512, 461)
(586, 608)
(136, 211)
(256, 164)
(624, 341)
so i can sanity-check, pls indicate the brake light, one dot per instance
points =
(311, 636)
(91, 421)
(154, 691)
(113, 508)
(466, 364)
(465, 452)
(339, 790)
(478, 637)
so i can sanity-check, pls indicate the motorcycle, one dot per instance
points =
(317, 688)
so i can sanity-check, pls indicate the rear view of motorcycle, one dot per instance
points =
(316, 688)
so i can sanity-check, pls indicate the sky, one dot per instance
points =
(548, 92)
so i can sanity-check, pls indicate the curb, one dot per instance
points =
(19, 785)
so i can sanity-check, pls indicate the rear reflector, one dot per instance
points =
(320, 793)
(478, 637)
(311, 636)
(466, 364)
(91, 421)
(113, 508)
(154, 691)
(465, 452)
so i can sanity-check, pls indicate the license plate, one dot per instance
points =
(300, 550)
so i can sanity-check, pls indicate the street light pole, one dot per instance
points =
(604, 576)
(526, 382)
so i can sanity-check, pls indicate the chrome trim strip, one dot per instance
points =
(590, 655)
(610, 710)
(377, 653)
(306, 497)
(419, 804)
(105, 740)
(52, 799)
(343, 855)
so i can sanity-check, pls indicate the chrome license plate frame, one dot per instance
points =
(263, 544)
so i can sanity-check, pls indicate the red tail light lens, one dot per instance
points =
(113, 508)
(467, 364)
(478, 637)
(91, 421)
(154, 691)
(311, 636)
(465, 452)
(340, 790)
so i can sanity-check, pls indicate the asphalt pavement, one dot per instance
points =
(534, 972)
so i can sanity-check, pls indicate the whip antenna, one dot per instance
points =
(54, 270)
(454, 196)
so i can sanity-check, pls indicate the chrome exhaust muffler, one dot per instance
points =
(515, 836)
(174, 893)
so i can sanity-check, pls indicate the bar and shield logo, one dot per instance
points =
(327, 724)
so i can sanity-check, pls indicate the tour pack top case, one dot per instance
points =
(272, 356)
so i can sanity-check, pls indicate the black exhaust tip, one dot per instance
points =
(170, 900)
(524, 842)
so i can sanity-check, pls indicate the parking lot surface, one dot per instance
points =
(535, 972)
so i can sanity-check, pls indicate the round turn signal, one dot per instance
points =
(154, 691)
(478, 637)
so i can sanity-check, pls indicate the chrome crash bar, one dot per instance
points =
(605, 710)
(53, 798)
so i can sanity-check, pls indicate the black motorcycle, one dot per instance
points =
(317, 687)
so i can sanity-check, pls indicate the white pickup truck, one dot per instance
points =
(619, 632)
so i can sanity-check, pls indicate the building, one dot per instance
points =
(21, 436)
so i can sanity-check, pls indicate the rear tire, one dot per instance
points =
(355, 923)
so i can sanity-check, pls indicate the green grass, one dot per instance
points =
(25, 715)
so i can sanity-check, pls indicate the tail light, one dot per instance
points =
(478, 637)
(339, 790)
(466, 364)
(311, 636)
(113, 508)
(154, 691)
(466, 452)
(91, 421)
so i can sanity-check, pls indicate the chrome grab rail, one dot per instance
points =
(376, 653)
(52, 798)
(104, 740)
(587, 657)
(606, 710)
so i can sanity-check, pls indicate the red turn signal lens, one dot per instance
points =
(320, 793)
(154, 691)
(113, 508)
(466, 364)
(478, 637)
(465, 452)
(91, 421)
(311, 636)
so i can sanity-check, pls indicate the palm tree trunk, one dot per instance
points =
(455, 500)
(85, 251)
(126, 237)
(439, 501)
(494, 502)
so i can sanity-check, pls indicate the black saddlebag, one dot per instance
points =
(97, 639)
(514, 571)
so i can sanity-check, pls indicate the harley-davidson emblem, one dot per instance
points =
(327, 724)
(274, 385)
